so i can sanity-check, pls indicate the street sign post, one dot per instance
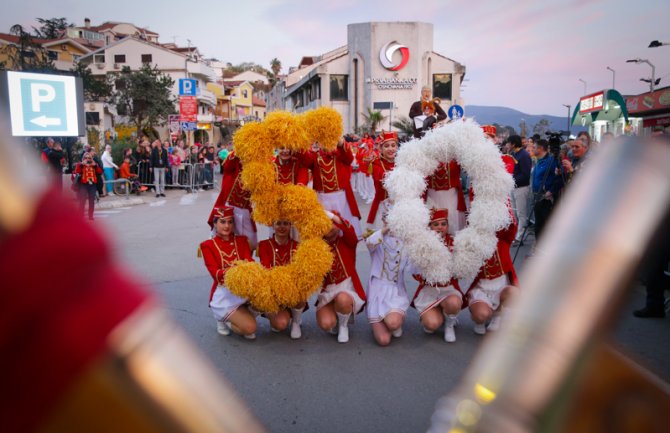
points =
(188, 108)
(455, 112)
(189, 126)
(187, 87)
(43, 105)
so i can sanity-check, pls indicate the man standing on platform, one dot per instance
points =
(423, 107)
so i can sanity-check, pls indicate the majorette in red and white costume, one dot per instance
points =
(433, 301)
(331, 181)
(219, 255)
(233, 194)
(387, 296)
(380, 166)
(278, 250)
(342, 293)
(289, 169)
(366, 154)
(445, 192)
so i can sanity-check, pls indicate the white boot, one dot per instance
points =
(296, 321)
(222, 328)
(343, 327)
(251, 336)
(494, 324)
(449, 331)
(480, 328)
(397, 333)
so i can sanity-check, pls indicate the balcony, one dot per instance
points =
(206, 97)
(200, 70)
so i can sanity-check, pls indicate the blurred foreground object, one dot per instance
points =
(82, 348)
(549, 369)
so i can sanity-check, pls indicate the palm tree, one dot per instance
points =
(373, 119)
(275, 66)
(405, 125)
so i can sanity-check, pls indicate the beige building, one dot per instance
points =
(383, 62)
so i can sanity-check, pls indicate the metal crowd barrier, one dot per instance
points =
(192, 177)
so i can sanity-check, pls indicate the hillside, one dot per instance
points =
(511, 117)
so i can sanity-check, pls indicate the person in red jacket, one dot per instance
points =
(342, 293)
(495, 283)
(439, 303)
(446, 192)
(88, 172)
(289, 169)
(331, 181)
(233, 194)
(380, 166)
(278, 250)
(219, 253)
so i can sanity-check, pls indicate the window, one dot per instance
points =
(442, 86)
(146, 58)
(76, 57)
(119, 58)
(92, 118)
(245, 94)
(339, 87)
(98, 58)
(53, 55)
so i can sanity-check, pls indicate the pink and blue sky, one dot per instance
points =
(524, 54)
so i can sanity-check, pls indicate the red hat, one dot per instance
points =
(438, 214)
(489, 130)
(389, 136)
(223, 212)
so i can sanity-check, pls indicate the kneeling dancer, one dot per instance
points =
(433, 301)
(342, 293)
(219, 253)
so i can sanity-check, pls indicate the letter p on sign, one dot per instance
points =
(41, 93)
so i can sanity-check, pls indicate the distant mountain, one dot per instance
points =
(510, 117)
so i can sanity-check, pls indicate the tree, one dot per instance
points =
(95, 88)
(275, 67)
(27, 55)
(541, 127)
(405, 124)
(145, 96)
(52, 28)
(373, 118)
(523, 128)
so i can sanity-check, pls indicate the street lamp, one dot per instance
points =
(653, 71)
(568, 106)
(613, 76)
(584, 85)
(656, 44)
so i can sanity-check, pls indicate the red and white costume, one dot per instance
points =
(290, 171)
(386, 287)
(445, 192)
(331, 181)
(342, 276)
(272, 253)
(233, 194)
(498, 272)
(380, 166)
(219, 256)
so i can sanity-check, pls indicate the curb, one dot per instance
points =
(122, 202)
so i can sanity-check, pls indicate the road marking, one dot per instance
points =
(107, 211)
(158, 203)
(187, 200)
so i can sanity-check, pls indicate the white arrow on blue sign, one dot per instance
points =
(455, 112)
(44, 104)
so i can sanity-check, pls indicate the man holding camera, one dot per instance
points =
(546, 183)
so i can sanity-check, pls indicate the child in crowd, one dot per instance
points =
(175, 162)
(439, 303)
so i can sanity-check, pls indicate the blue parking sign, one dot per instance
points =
(187, 87)
(43, 104)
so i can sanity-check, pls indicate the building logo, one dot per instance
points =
(386, 56)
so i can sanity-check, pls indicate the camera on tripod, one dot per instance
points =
(555, 140)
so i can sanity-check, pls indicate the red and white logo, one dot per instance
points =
(386, 56)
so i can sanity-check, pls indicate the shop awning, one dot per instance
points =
(607, 105)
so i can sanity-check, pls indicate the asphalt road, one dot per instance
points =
(315, 384)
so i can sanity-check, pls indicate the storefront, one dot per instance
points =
(649, 111)
(382, 67)
(601, 112)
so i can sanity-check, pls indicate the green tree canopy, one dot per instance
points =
(145, 96)
(52, 28)
(373, 118)
(27, 54)
(96, 88)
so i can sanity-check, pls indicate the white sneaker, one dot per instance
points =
(480, 328)
(428, 331)
(296, 332)
(222, 328)
(449, 332)
(251, 336)
(494, 324)
(397, 333)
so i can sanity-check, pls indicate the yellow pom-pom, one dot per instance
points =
(286, 130)
(257, 176)
(251, 143)
(324, 125)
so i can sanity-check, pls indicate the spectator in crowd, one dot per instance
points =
(522, 167)
(56, 158)
(99, 181)
(89, 172)
(209, 156)
(46, 150)
(175, 162)
(108, 166)
(580, 152)
(159, 162)
(86, 149)
(545, 185)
